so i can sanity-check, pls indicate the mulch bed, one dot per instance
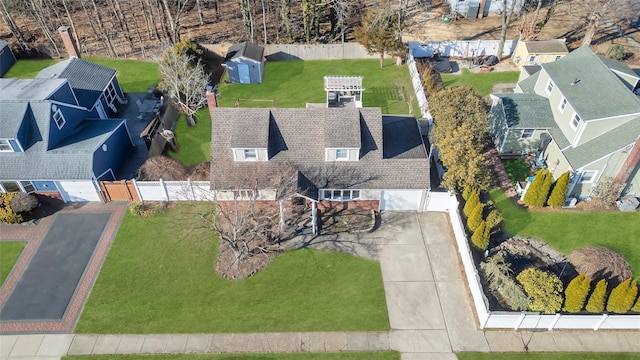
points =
(229, 268)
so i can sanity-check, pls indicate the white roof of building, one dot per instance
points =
(337, 83)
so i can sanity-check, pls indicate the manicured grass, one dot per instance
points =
(548, 356)
(9, 254)
(518, 170)
(570, 229)
(133, 75)
(159, 277)
(194, 142)
(294, 83)
(480, 82)
(378, 355)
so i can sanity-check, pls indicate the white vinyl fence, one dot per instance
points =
(461, 48)
(523, 320)
(416, 81)
(174, 190)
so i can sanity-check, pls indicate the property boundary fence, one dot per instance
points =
(461, 48)
(416, 81)
(522, 320)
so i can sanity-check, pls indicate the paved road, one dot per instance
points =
(47, 285)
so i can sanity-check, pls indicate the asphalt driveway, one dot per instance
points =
(50, 280)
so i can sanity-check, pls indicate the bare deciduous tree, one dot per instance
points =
(595, 12)
(507, 14)
(185, 80)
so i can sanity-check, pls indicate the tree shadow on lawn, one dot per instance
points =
(516, 218)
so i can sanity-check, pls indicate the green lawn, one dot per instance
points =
(480, 82)
(379, 355)
(518, 170)
(9, 254)
(194, 142)
(548, 356)
(568, 229)
(133, 75)
(159, 277)
(294, 83)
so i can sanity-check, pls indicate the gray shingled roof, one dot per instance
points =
(527, 85)
(598, 93)
(531, 111)
(341, 127)
(613, 140)
(546, 46)
(618, 66)
(72, 159)
(11, 117)
(88, 80)
(251, 130)
(28, 89)
(297, 138)
(247, 50)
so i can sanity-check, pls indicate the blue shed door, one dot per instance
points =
(243, 73)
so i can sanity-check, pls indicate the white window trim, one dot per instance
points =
(563, 102)
(110, 93)
(345, 195)
(575, 116)
(7, 143)
(523, 137)
(593, 177)
(64, 121)
(551, 85)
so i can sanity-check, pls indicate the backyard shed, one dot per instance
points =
(245, 63)
(6, 57)
(538, 52)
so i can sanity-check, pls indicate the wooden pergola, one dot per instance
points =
(343, 90)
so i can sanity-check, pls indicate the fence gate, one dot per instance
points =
(123, 190)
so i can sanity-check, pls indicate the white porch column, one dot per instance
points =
(281, 225)
(314, 214)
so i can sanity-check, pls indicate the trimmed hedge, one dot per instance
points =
(472, 202)
(559, 192)
(7, 215)
(597, 299)
(476, 217)
(480, 237)
(576, 293)
(622, 297)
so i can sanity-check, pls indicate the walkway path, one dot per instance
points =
(429, 313)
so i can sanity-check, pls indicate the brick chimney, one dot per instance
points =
(212, 102)
(629, 164)
(69, 43)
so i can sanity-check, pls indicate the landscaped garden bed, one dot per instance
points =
(159, 277)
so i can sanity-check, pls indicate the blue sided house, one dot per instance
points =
(6, 57)
(57, 133)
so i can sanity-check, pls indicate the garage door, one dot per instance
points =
(400, 200)
(73, 191)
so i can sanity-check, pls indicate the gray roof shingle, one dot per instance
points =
(531, 111)
(297, 138)
(341, 127)
(88, 80)
(28, 89)
(546, 46)
(247, 50)
(251, 129)
(598, 93)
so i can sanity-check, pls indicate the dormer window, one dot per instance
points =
(5, 146)
(550, 86)
(58, 118)
(342, 154)
(250, 155)
(575, 121)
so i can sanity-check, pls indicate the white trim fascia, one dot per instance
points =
(60, 103)
(579, 131)
(623, 73)
(252, 60)
(106, 171)
(614, 117)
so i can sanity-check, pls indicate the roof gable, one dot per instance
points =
(251, 130)
(247, 50)
(342, 128)
(554, 46)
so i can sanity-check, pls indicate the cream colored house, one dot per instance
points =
(539, 52)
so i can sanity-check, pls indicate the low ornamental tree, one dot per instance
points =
(467, 192)
(480, 237)
(7, 214)
(498, 272)
(538, 191)
(476, 217)
(576, 293)
(636, 307)
(472, 202)
(596, 301)
(23, 202)
(543, 288)
(494, 219)
(622, 297)
(559, 192)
